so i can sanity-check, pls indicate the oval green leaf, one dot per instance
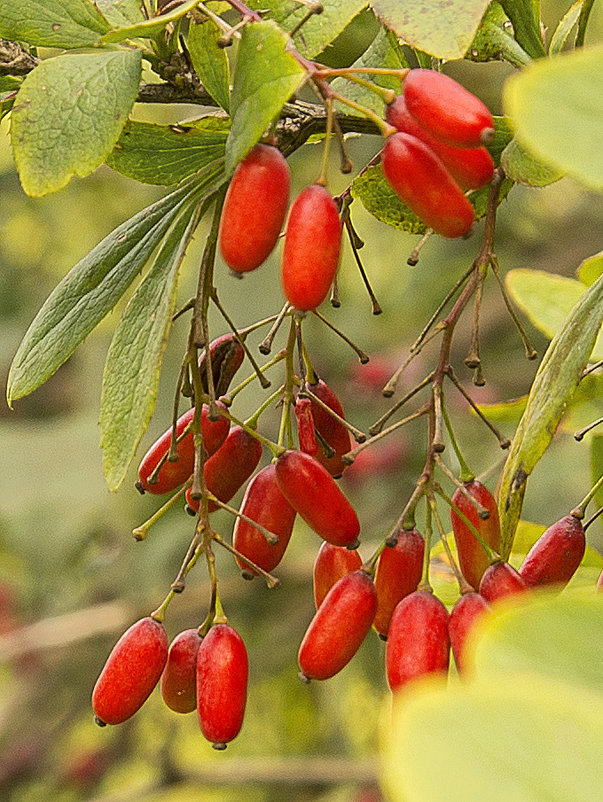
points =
(210, 61)
(52, 23)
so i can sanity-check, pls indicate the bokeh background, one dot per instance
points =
(71, 576)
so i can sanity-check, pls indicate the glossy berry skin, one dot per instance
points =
(471, 168)
(419, 177)
(131, 672)
(417, 640)
(264, 503)
(222, 674)
(556, 555)
(330, 565)
(446, 109)
(333, 432)
(463, 617)
(501, 580)
(227, 355)
(472, 557)
(173, 474)
(179, 678)
(311, 249)
(314, 494)
(229, 468)
(305, 426)
(339, 626)
(254, 208)
(398, 574)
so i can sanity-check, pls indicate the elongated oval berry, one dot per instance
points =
(306, 434)
(472, 168)
(131, 672)
(472, 555)
(227, 355)
(264, 503)
(447, 110)
(222, 674)
(398, 574)
(339, 626)
(417, 640)
(333, 433)
(172, 474)
(421, 180)
(229, 468)
(463, 617)
(311, 250)
(556, 555)
(254, 208)
(332, 563)
(179, 678)
(314, 494)
(501, 580)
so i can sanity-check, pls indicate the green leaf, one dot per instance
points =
(563, 30)
(69, 114)
(163, 154)
(52, 23)
(134, 360)
(547, 299)
(121, 12)
(149, 28)
(87, 293)
(525, 16)
(590, 270)
(553, 386)
(8, 86)
(521, 739)
(523, 168)
(210, 61)
(441, 28)
(493, 42)
(556, 106)
(265, 77)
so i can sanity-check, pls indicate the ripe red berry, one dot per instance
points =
(264, 503)
(314, 494)
(463, 617)
(173, 474)
(311, 250)
(254, 208)
(421, 180)
(179, 678)
(339, 626)
(417, 640)
(222, 673)
(472, 168)
(501, 580)
(227, 355)
(556, 555)
(333, 433)
(398, 574)
(446, 109)
(331, 563)
(472, 556)
(131, 672)
(305, 426)
(229, 468)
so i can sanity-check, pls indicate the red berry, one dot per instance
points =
(179, 678)
(421, 180)
(446, 109)
(472, 168)
(417, 640)
(472, 556)
(222, 673)
(333, 433)
(227, 355)
(229, 468)
(311, 250)
(305, 426)
(556, 555)
(173, 474)
(339, 626)
(398, 574)
(501, 580)
(331, 563)
(254, 208)
(131, 672)
(264, 503)
(463, 617)
(314, 494)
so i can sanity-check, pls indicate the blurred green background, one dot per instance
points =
(71, 576)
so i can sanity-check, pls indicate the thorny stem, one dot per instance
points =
(350, 456)
(503, 441)
(140, 532)
(271, 581)
(270, 536)
(580, 434)
(241, 340)
(231, 395)
(413, 258)
(579, 510)
(358, 436)
(592, 518)
(377, 426)
(362, 356)
(266, 345)
(531, 353)
(377, 310)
